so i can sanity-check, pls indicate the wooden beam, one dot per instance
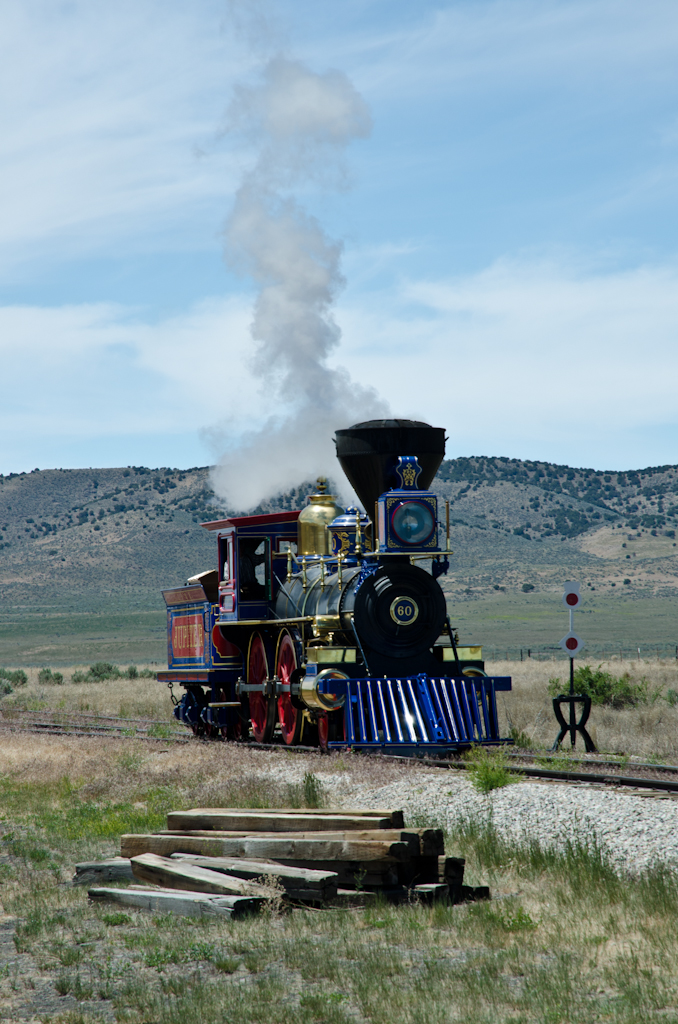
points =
(174, 874)
(431, 892)
(426, 842)
(118, 869)
(265, 821)
(278, 848)
(313, 884)
(172, 901)
(355, 875)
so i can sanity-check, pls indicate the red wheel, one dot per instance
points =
(291, 717)
(323, 731)
(262, 709)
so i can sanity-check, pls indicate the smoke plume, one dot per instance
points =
(300, 123)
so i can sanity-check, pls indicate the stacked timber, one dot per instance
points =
(232, 860)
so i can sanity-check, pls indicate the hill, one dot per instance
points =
(85, 553)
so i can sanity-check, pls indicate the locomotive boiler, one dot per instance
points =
(328, 626)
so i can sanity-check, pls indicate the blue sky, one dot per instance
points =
(508, 226)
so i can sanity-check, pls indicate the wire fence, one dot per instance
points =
(603, 652)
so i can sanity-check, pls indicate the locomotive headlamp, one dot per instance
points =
(413, 522)
(407, 516)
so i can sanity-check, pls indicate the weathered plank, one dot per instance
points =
(431, 892)
(425, 841)
(134, 845)
(396, 817)
(451, 869)
(174, 874)
(268, 848)
(317, 884)
(355, 875)
(267, 821)
(451, 872)
(184, 904)
(118, 869)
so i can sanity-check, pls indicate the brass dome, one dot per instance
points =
(313, 537)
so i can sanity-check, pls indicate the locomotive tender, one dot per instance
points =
(330, 626)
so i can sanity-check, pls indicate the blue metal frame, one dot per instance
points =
(421, 712)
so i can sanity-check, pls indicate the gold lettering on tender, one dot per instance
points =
(187, 637)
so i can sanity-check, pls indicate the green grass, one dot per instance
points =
(32, 636)
(607, 621)
(489, 769)
(571, 939)
(604, 688)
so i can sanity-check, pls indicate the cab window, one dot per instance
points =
(254, 580)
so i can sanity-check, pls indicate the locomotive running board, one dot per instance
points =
(421, 712)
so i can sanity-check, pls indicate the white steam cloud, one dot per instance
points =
(301, 123)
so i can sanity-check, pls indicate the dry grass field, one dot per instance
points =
(649, 730)
(565, 938)
(126, 698)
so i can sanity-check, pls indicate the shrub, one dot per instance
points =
(45, 675)
(489, 769)
(132, 672)
(17, 678)
(102, 670)
(520, 739)
(527, 587)
(5, 688)
(99, 672)
(672, 697)
(604, 688)
(314, 793)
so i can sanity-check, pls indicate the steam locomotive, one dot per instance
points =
(328, 627)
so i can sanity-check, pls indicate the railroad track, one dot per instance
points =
(584, 771)
(81, 724)
(530, 770)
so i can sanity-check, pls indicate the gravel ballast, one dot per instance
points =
(635, 830)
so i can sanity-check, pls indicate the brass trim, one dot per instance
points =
(265, 622)
(331, 655)
(464, 653)
(395, 603)
(309, 691)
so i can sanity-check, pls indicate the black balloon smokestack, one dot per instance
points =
(368, 454)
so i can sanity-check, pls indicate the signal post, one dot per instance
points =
(572, 644)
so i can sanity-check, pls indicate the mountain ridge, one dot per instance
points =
(122, 534)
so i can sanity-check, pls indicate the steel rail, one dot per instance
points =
(548, 774)
(602, 763)
(71, 727)
(92, 735)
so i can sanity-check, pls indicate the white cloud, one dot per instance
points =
(98, 370)
(531, 360)
(481, 44)
(523, 359)
(102, 107)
